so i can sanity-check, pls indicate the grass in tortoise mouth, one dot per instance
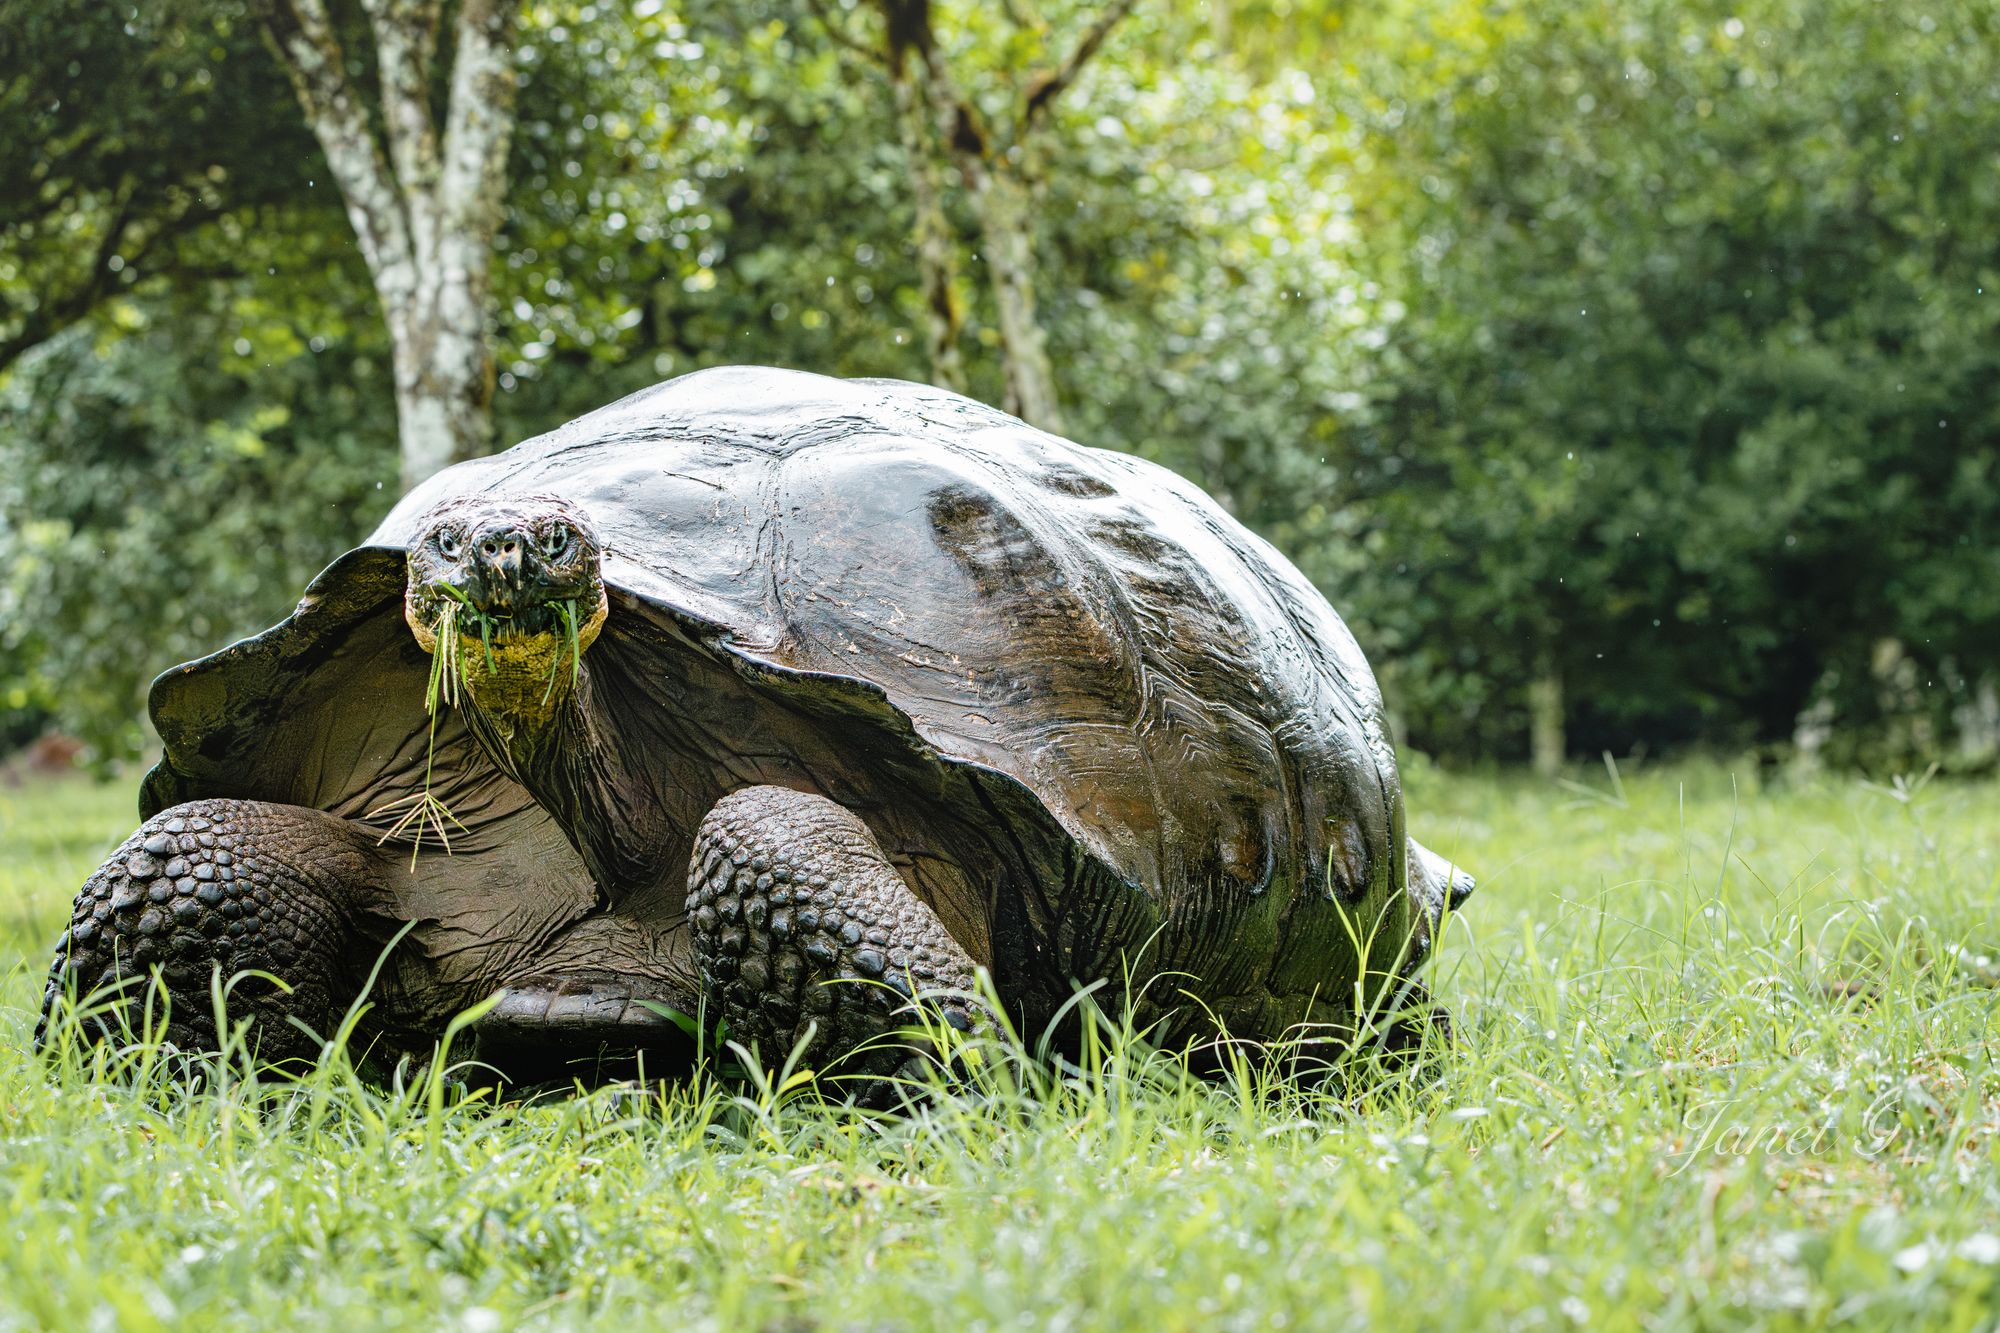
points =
(422, 814)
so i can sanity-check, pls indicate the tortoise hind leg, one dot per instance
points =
(229, 886)
(795, 911)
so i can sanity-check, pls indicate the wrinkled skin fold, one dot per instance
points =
(758, 683)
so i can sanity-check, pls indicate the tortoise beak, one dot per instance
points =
(510, 602)
(495, 582)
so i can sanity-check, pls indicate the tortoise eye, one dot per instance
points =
(448, 544)
(555, 541)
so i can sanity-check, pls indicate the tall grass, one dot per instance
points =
(1726, 1057)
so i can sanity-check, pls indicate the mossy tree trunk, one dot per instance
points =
(1005, 208)
(1548, 741)
(938, 124)
(937, 247)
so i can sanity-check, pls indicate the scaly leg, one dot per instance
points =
(796, 913)
(232, 886)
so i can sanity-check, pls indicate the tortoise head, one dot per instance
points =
(508, 592)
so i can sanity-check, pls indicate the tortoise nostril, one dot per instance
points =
(501, 551)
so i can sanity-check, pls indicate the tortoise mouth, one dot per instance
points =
(503, 614)
(439, 609)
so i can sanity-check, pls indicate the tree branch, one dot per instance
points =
(479, 120)
(840, 36)
(122, 238)
(51, 316)
(307, 46)
(958, 119)
(405, 43)
(1043, 95)
(1024, 16)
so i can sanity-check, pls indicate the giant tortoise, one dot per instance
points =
(750, 690)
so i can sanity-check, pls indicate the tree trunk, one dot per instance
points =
(996, 184)
(1547, 742)
(426, 212)
(443, 399)
(937, 248)
(1978, 720)
(1006, 227)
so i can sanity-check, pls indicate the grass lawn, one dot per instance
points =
(1727, 1056)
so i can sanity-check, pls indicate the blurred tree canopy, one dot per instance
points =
(1625, 373)
(1690, 407)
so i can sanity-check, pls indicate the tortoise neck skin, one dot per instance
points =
(572, 758)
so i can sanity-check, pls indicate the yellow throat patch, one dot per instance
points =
(520, 678)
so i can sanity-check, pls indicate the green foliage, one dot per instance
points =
(1204, 285)
(1688, 392)
(1643, 345)
(156, 504)
(1725, 1062)
(140, 146)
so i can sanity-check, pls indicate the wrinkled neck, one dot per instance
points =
(572, 759)
(522, 721)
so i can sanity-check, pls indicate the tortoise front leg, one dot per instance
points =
(229, 886)
(795, 911)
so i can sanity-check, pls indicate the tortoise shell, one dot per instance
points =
(1101, 726)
